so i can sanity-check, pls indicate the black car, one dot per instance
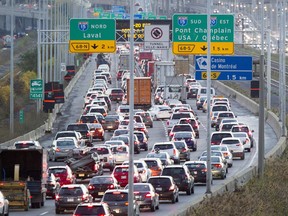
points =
(198, 170)
(52, 185)
(111, 122)
(165, 187)
(146, 196)
(183, 149)
(99, 184)
(182, 177)
(142, 139)
(70, 196)
(83, 128)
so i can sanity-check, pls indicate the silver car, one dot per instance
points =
(62, 148)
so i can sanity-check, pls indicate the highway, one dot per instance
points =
(71, 111)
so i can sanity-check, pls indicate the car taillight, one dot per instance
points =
(204, 170)
(217, 165)
(171, 134)
(148, 195)
(111, 186)
(84, 197)
(172, 187)
(174, 152)
(95, 167)
(91, 187)
(225, 154)
(249, 133)
(87, 134)
(57, 150)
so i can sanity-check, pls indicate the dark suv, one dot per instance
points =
(182, 177)
(165, 187)
(70, 196)
(83, 128)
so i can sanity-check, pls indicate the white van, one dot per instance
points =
(172, 92)
(202, 91)
(104, 67)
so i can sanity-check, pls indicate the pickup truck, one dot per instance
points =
(175, 117)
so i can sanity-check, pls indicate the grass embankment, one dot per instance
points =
(260, 197)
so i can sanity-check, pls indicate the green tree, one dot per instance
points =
(28, 61)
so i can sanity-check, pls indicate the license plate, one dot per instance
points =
(123, 177)
(117, 211)
(81, 175)
(109, 126)
(159, 189)
(137, 197)
(100, 193)
(70, 199)
(195, 172)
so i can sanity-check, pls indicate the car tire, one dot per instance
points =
(243, 157)
(157, 207)
(177, 198)
(57, 211)
(223, 176)
(188, 192)
(151, 126)
(249, 149)
(7, 214)
(54, 158)
(173, 200)
(152, 208)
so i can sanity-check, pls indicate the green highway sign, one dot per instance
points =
(92, 35)
(21, 116)
(189, 33)
(36, 89)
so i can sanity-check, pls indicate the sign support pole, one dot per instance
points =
(131, 115)
(208, 177)
(12, 71)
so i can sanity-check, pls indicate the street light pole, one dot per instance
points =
(12, 71)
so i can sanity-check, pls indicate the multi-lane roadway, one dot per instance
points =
(72, 109)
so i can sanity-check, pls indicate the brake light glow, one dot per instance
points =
(111, 186)
(91, 187)
(204, 170)
(174, 151)
(148, 195)
(95, 167)
(217, 165)
(57, 150)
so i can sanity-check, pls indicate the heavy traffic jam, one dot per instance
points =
(90, 159)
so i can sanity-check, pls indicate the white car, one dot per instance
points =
(160, 112)
(121, 153)
(226, 152)
(142, 168)
(243, 136)
(168, 147)
(4, 205)
(26, 144)
(235, 146)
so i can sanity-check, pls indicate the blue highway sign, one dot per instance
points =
(224, 68)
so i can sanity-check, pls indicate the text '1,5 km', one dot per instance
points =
(189, 34)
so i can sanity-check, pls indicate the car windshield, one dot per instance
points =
(101, 180)
(163, 146)
(115, 196)
(91, 210)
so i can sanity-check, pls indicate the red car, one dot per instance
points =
(64, 173)
(120, 172)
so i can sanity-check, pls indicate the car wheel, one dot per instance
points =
(194, 149)
(54, 158)
(103, 138)
(223, 176)
(177, 198)
(57, 211)
(243, 157)
(226, 170)
(173, 200)
(192, 189)
(188, 192)
(157, 207)
(249, 149)
(7, 212)
(152, 208)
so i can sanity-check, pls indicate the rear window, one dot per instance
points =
(78, 127)
(240, 129)
(111, 118)
(119, 149)
(232, 141)
(64, 143)
(65, 135)
(124, 110)
(182, 135)
(163, 146)
(116, 91)
(23, 145)
(115, 196)
(196, 166)
(122, 169)
(160, 181)
(101, 151)
(57, 171)
(88, 119)
(180, 115)
(73, 191)
(91, 210)
(182, 128)
(151, 163)
(219, 108)
(179, 144)
(101, 180)
(173, 171)
(220, 136)
(229, 115)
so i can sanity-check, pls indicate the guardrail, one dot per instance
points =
(237, 181)
(40, 131)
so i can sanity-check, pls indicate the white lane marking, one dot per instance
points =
(44, 213)
(165, 130)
